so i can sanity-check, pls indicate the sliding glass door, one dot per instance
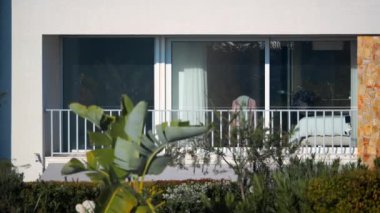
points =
(212, 74)
(296, 74)
(310, 74)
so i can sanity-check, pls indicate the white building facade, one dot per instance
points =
(179, 55)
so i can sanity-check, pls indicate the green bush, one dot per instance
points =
(350, 191)
(300, 186)
(56, 196)
(11, 186)
(204, 195)
(17, 196)
(284, 189)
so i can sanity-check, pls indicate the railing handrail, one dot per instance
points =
(67, 130)
(225, 110)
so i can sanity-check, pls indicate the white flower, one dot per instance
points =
(88, 206)
(79, 208)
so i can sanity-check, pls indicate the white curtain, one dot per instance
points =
(189, 64)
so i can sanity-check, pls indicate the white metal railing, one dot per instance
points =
(319, 131)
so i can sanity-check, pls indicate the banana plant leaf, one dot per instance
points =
(121, 200)
(117, 129)
(127, 155)
(135, 122)
(181, 132)
(126, 105)
(72, 167)
(143, 209)
(101, 158)
(158, 165)
(92, 113)
(100, 139)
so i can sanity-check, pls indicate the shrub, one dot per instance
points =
(56, 196)
(194, 195)
(186, 197)
(11, 186)
(284, 189)
(351, 191)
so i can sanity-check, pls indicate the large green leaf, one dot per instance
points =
(153, 138)
(100, 139)
(179, 123)
(92, 113)
(103, 156)
(148, 143)
(121, 200)
(117, 129)
(126, 105)
(92, 162)
(135, 122)
(134, 167)
(179, 133)
(158, 165)
(99, 177)
(73, 166)
(143, 209)
(120, 173)
(126, 154)
(160, 133)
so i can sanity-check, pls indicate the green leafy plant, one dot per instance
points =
(252, 152)
(126, 153)
(192, 192)
(350, 191)
(54, 196)
(254, 149)
(11, 185)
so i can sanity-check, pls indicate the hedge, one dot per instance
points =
(351, 191)
(356, 190)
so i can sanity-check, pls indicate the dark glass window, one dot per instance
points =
(310, 74)
(98, 70)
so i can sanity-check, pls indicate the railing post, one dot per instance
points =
(51, 133)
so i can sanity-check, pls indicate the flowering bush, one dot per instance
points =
(186, 197)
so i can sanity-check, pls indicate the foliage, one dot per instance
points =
(222, 197)
(350, 191)
(197, 195)
(11, 185)
(253, 149)
(56, 196)
(300, 186)
(185, 197)
(285, 189)
(126, 153)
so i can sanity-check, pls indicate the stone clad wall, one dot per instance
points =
(368, 60)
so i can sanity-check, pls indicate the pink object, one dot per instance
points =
(243, 105)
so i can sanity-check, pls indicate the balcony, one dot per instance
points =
(326, 133)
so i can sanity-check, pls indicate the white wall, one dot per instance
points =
(197, 16)
(34, 18)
